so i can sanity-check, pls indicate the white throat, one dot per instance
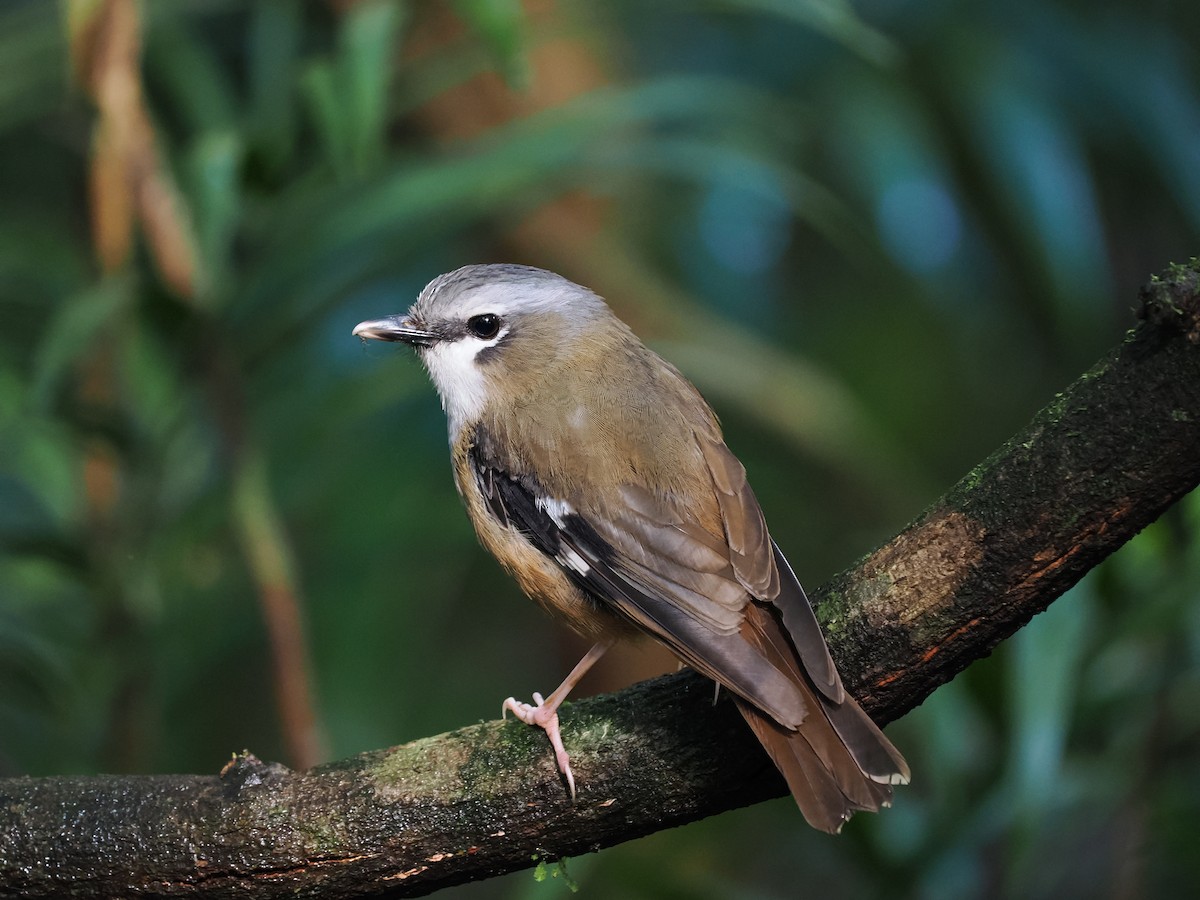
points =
(458, 377)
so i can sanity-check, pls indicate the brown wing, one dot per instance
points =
(761, 568)
(729, 606)
(835, 760)
(668, 579)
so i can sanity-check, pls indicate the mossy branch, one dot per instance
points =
(1098, 464)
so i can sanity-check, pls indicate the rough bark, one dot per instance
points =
(1102, 461)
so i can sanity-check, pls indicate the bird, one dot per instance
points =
(599, 478)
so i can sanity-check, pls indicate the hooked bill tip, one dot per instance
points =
(373, 328)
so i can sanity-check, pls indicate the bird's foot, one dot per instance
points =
(544, 717)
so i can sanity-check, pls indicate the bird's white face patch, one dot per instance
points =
(458, 377)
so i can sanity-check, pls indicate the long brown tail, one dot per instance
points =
(838, 761)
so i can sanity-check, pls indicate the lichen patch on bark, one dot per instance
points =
(919, 573)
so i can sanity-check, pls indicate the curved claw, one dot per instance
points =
(546, 718)
(544, 713)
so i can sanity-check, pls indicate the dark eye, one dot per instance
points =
(484, 326)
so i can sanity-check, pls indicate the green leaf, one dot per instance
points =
(1045, 670)
(214, 165)
(32, 61)
(199, 89)
(76, 325)
(835, 19)
(348, 93)
(500, 23)
(273, 56)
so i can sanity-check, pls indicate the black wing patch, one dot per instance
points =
(515, 504)
(595, 567)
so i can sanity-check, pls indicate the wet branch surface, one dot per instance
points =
(1098, 464)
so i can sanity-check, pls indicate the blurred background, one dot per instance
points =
(878, 237)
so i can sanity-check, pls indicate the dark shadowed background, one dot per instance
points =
(877, 236)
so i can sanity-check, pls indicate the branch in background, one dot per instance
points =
(1097, 465)
(130, 183)
(1101, 462)
(272, 567)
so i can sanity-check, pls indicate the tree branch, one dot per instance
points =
(1102, 461)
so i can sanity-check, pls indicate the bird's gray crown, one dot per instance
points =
(503, 289)
(535, 316)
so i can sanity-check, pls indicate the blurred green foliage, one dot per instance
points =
(879, 238)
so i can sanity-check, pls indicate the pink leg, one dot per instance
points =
(544, 713)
